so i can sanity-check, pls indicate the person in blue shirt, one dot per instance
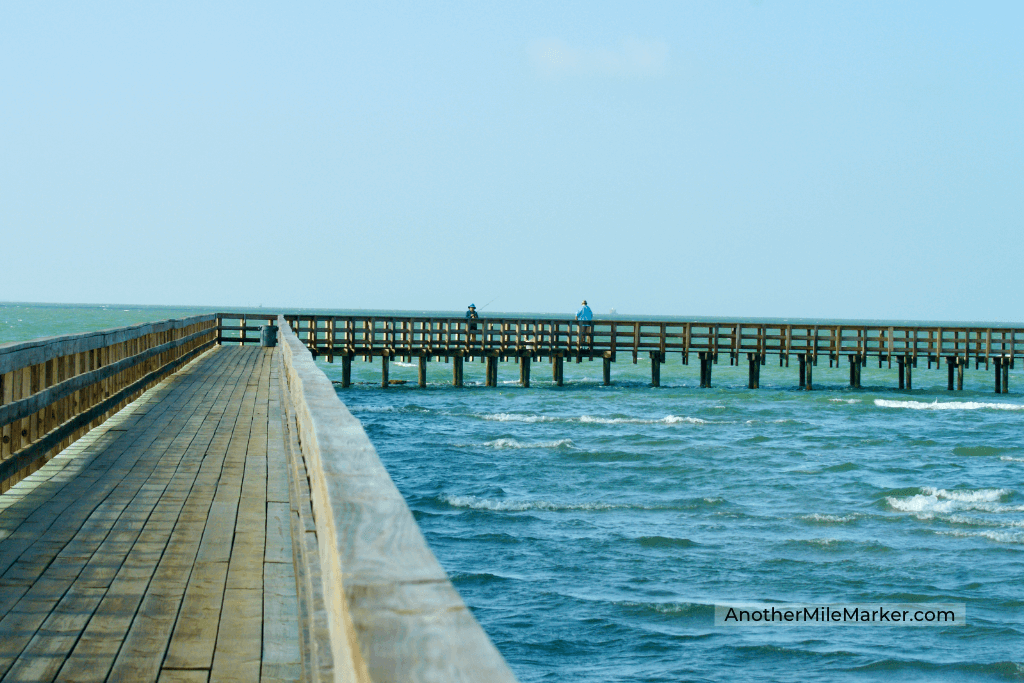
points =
(471, 314)
(586, 317)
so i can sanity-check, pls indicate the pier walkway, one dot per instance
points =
(158, 547)
(176, 510)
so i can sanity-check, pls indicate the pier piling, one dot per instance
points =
(753, 371)
(557, 370)
(491, 371)
(524, 371)
(1006, 376)
(655, 368)
(421, 375)
(900, 361)
(999, 375)
(385, 365)
(457, 371)
(855, 365)
(950, 364)
(960, 363)
(909, 363)
(803, 369)
(809, 384)
(346, 371)
(607, 371)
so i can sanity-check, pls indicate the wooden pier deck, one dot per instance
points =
(176, 510)
(158, 547)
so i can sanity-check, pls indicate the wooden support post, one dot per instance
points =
(900, 362)
(422, 374)
(909, 363)
(346, 371)
(753, 371)
(1006, 375)
(810, 374)
(701, 356)
(655, 368)
(960, 363)
(385, 365)
(607, 371)
(950, 363)
(708, 358)
(524, 371)
(999, 375)
(803, 368)
(491, 371)
(557, 368)
(457, 371)
(855, 371)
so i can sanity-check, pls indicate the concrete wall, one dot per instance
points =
(393, 614)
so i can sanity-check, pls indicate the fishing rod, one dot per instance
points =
(489, 303)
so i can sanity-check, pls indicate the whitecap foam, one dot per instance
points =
(844, 400)
(476, 503)
(517, 417)
(947, 405)
(668, 419)
(1007, 458)
(501, 444)
(404, 365)
(998, 536)
(830, 519)
(942, 501)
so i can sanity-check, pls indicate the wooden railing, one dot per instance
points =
(357, 335)
(390, 611)
(54, 390)
(239, 328)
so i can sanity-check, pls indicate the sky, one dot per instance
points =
(730, 158)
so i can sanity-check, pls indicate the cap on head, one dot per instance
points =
(472, 305)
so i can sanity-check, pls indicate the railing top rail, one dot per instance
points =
(623, 323)
(17, 355)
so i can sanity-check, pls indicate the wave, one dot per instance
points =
(844, 400)
(405, 365)
(830, 519)
(665, 542)
(590, 419)
(1007, 458)
(992, 535)
(931, 501)
(501, 444)
(518, 417)
(947, 405)
(503, 505)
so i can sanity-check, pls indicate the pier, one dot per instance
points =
(180, 503)
(526, 341)
(174, 509)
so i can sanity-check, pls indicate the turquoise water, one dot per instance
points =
(591, 529)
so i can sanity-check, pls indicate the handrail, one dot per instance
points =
(393, 614)
(374, 335)
(53, 390)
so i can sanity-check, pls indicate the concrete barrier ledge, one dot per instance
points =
(393, 613)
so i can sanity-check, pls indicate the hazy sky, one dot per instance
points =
(851, 160)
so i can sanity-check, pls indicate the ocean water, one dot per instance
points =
(592, 529)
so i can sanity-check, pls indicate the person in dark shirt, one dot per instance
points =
(471, 314)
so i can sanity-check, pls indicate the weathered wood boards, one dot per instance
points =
(392, 613)
(54, 390)
(158, 546)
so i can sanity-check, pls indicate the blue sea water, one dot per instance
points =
(592, 529)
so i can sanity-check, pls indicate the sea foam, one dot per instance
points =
(947, 405)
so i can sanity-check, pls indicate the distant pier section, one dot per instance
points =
(528, 340)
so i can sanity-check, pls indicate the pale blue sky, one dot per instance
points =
(850, 160)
